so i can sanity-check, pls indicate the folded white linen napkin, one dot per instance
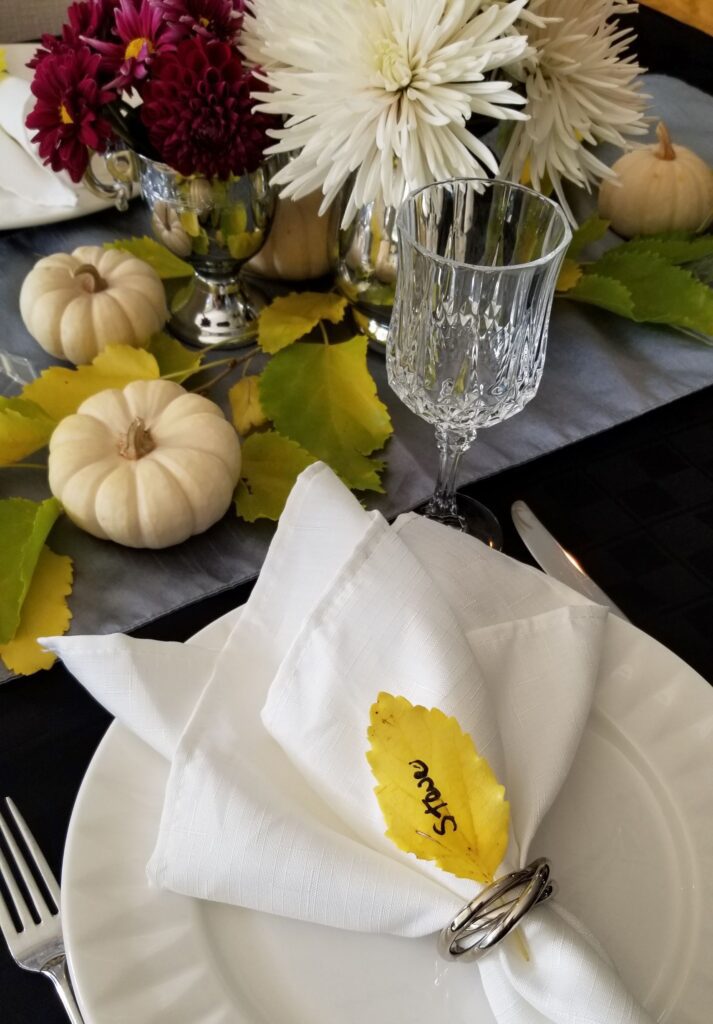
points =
(21, 170)
(270, 801)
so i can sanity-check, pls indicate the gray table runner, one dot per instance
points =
(600, 371)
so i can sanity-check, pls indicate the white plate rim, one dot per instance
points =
(17, 213)
(676, 729)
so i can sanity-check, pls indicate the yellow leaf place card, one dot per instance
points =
(442, 802)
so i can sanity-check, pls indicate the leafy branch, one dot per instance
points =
(648, 280)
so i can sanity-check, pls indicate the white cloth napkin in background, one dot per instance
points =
(21, 170)
(270, 801)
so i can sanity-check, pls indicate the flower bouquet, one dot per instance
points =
(379, 97)
(164, 83)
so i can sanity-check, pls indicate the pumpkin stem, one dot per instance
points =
(94, 281)
(665, 150)
(137, 441)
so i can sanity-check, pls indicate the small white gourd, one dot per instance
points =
(146, 466)
(663, 187)
(75, 304)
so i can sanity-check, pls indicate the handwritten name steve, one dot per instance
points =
(432, 801)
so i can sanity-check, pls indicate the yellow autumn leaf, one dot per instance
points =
(24, 428)
(44, 613)
(290, 317)
(569, 275)
(440, 799)
(245, 405)
(3, 62)
(60, 391)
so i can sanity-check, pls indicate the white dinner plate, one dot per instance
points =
(630, 838)
(19, 213)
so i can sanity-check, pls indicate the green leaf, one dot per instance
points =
(290, 317)
(271, 464)
(24, 526)
(661, 293)
(590, 231)
(324, 397)
(173, 358)
(24, 428)
(606, 292)
(674, 247)
(60, 391)
(156, 255)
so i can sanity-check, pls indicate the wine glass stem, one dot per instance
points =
(451, 446)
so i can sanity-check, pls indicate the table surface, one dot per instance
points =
(635, 504)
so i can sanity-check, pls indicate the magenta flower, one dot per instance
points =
(212, 19)
(198, 112)
(67, 115)
(91, 18)
(142, 34)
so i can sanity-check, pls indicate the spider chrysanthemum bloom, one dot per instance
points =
(382, 89)
(581, 88)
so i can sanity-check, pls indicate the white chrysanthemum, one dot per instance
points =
(581, 90)
(382, 89)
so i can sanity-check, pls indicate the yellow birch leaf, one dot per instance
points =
(439, 797)
(292, 316)
(44, 613)
(248, 413)
(60, 391)
(24, 428)
(569, 275)
(271, 464)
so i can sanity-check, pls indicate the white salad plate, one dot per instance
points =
(630, 838)
(16, 212)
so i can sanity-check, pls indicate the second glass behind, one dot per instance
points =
(478, 263)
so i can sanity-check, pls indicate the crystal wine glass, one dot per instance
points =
(478, 262)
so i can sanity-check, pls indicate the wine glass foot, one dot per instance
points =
(470, 517)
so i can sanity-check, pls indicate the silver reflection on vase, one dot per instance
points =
(216, 226)
(366, 266)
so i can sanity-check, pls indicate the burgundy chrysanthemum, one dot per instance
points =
(142, 35)
(87, 18)
(211, 19)
(67, 115)
(198, 111)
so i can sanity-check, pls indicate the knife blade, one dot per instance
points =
(555, 560)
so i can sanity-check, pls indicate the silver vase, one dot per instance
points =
(366, 262)
(216, 226)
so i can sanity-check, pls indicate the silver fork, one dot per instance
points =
(36, 947)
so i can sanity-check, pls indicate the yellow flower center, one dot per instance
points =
(134, 48)
(393, 67)
(204, 22)
(64, 115)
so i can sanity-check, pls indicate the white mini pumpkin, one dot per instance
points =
(146, 467)
(76, 304)
(658, 188)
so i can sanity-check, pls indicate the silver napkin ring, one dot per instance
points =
(488, 918)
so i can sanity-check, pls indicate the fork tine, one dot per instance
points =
(17, 900)
(43, 868)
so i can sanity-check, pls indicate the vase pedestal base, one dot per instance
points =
(219, 314)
